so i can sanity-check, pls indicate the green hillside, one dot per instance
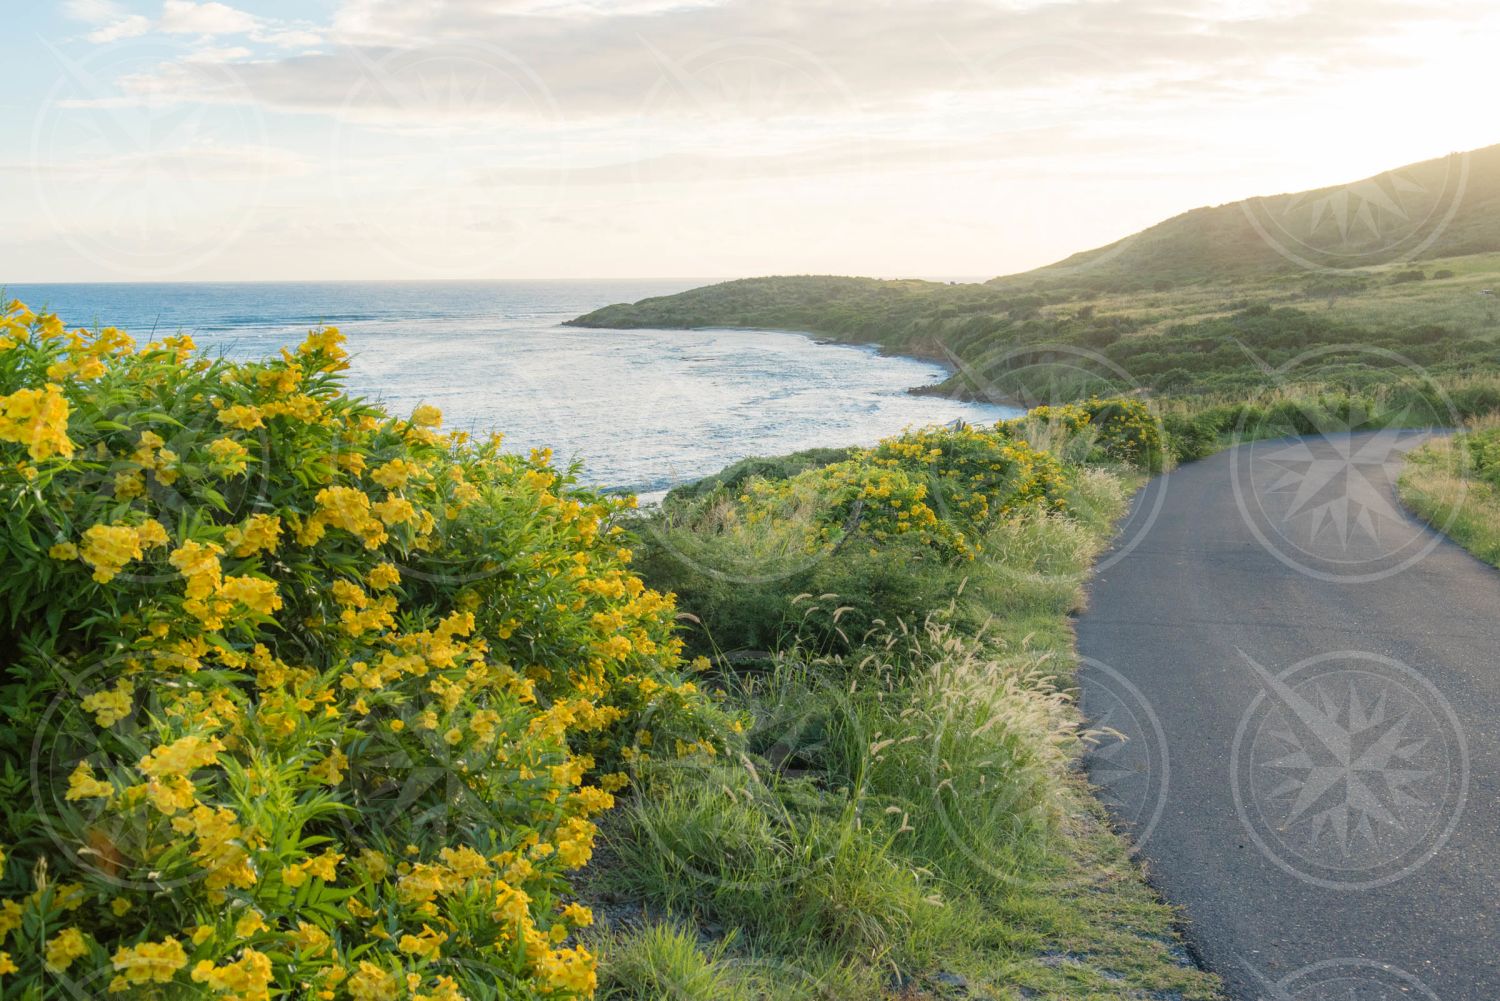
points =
(1200, 306)
(1447, 207)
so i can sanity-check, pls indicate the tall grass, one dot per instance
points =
(1451, 483)
(904, 802)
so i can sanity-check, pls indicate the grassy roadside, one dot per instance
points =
(1454, 483)
(904, 817)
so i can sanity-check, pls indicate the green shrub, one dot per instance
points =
(1124, 429)
(309, 698)
(733, 477)
(666, 961)
(1190, 438)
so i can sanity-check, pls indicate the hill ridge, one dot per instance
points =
(1448, 206)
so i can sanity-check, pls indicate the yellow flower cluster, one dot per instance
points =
(940, 486)
(38, 419)
(386, 683)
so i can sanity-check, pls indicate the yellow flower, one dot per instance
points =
(395, 510)
(246, 979)
(569, 970)
(260, 532)
(579, 915)
(38, 419)
(326, 340)
(82, 784)
(393, 474)
(63, 948)
(151, 534)
(107, 548)
(63, 551)
(199, 563)
(254, 593)
(249, 923)
(129, 484)
(180, 757)
(372, 983)
(228, 454)
(246, 418)
(427, 416)
(150, 961)
(111, 705)
(170, 795)
(331, 769)
(323, 867)
(10, 918)
(6, 965)
(311, 939)
(383, 577)
(427, 944)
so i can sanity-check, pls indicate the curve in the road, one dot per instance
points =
(1307, 682)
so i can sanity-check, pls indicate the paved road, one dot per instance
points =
(1308, 682)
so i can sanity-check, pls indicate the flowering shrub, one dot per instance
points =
(300, 700)
(1124, 428)
(941, 486)
(975, 476)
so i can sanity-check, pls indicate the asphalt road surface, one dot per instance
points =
(1307, 684)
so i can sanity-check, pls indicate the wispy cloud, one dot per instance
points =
(1003, 133)
(751, 58)
(183, 17)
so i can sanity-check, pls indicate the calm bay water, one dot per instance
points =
(643, 409)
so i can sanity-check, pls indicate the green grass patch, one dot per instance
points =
(903, 816)
(1454, 485)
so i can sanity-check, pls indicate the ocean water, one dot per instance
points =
(642, 409)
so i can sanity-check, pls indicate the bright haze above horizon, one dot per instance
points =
(368, 139)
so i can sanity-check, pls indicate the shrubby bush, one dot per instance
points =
(1123, 429)
(891, 530)
(1482, 448)
(300, 699)
(1189, 437)
(736, 475)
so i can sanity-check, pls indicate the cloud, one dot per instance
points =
(215, 54)
(132, 26)
(838, 157)
(92, 11)
(287, 37)
(188, 164)
(512, 60)
(183, 17)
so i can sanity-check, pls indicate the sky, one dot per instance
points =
(416, 139)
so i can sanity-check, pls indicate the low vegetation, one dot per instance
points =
(1454, 483)
(299, 698)
(903, 816)
(303, 699)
